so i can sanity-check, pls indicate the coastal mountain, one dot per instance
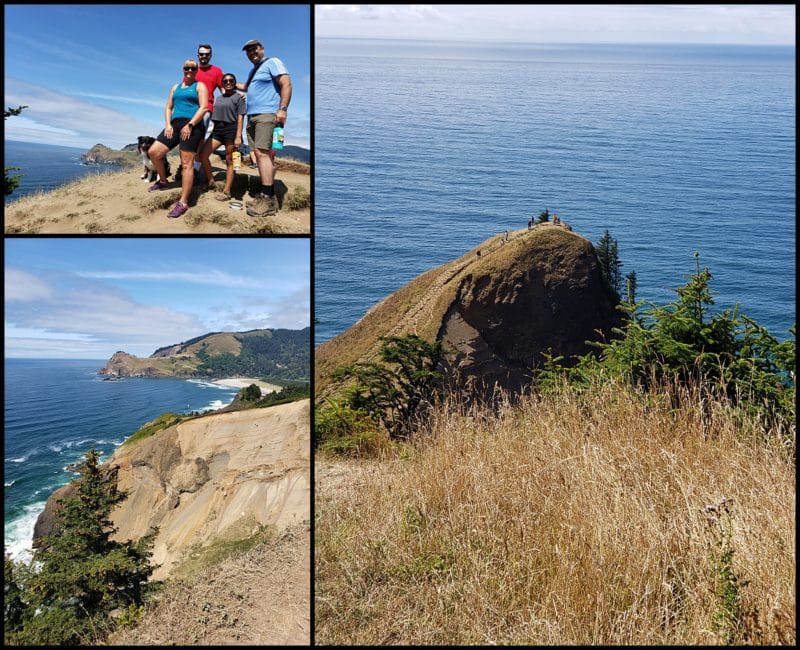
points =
(280, 354)
(498, 310)
(100, 153)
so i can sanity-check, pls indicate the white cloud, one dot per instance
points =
(24, 287)
(58, 118)
(745, 24)
(211, 277)
(292, 311)
(88, 316)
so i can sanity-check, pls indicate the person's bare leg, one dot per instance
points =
(187, 165)
(157, 152)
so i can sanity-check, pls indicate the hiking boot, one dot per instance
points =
(262, 206)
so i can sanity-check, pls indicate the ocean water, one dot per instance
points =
(57, 409)
(423, 150)
(45, 167)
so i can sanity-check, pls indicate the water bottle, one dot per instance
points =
(237, 160)
(277, 137)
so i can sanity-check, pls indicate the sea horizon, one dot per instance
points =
(671, 148)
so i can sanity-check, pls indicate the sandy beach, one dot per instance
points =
(243, 382)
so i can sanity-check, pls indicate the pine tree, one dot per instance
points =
(399, 393)
(610, 265)
(80, 573)
(11, 182)
(630, 288)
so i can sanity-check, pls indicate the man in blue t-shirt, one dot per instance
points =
(269, 91)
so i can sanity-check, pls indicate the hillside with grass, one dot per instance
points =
(497, 310)
(118, 202)
(279, 354)
(639, 494)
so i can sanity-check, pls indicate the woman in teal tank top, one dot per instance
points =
(183, 114)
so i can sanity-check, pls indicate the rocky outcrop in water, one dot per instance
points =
(101, 154)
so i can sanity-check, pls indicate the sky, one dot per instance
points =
(101, 74)
(87, 298)
(566, 23)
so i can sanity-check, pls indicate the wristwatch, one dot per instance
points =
(283, 108)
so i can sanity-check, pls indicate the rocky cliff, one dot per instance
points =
(210, 478)
(99, 153)
(497, 309)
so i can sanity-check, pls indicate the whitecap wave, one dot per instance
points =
(19, 532)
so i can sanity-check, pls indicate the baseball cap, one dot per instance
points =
(250, 43)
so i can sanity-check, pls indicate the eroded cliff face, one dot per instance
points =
(216, 477)
(549, 298)
(498, 309)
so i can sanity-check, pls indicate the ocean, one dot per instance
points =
(423, 150)
(57, 409)
(44, 167)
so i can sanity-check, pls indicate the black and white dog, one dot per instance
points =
(150, 173)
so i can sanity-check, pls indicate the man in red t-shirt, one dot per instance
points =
(211, 76)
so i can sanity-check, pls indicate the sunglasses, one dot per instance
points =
(229, 81)
(187, 68)
(204, 54)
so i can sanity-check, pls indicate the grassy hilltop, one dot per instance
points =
(118, 203)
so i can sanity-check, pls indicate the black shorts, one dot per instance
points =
(224, 132)
(191, 143)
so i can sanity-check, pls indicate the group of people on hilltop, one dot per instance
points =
(198, 124)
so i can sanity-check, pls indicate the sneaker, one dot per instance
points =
(158, 185)
(262, 206)
(178, 209)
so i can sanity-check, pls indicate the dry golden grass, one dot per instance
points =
(562, 520)
(118, 203)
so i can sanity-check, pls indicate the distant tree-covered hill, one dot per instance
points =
(278, 354)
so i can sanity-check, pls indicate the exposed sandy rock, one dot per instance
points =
(220, 476)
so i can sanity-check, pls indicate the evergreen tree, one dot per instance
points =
(80, 574)
(398, 394)
(630, 288)
(725, 353)
(11, 182)
(544, 216)
(610, 265)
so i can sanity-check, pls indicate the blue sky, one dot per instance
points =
(102, 73)
(566, 23)
(86, 298)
